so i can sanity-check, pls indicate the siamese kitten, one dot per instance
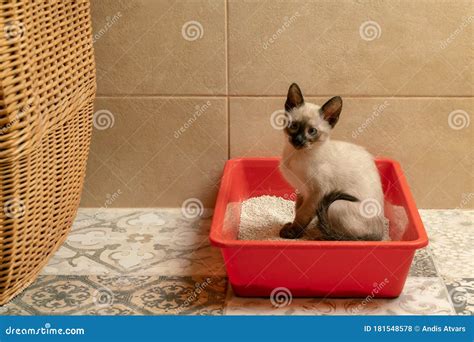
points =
(334, 179)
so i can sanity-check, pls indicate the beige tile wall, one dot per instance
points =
(189, 84)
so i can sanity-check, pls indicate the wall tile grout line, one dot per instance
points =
(226, 9)
(113, 96)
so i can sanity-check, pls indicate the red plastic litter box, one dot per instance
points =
(313, 268)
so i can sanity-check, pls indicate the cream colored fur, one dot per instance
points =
(329, 165)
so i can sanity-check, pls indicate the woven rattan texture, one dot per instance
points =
(47, 87)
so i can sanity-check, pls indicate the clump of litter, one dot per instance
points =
(261, 218)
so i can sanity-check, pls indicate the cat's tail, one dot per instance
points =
(332, 233)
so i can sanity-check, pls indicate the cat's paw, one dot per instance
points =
(290, 231)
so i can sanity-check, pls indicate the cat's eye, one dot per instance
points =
(312, 131)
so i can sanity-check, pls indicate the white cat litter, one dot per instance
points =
(261, 218)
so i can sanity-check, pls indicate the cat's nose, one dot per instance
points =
(298, 140)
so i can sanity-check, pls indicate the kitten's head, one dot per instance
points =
(307, 123)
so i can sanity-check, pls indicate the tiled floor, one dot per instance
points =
(155, 261)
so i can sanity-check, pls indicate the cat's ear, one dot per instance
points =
(331, 110)
(294, 98)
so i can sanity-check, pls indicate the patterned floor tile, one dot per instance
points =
(421, 296)
(156, 261)
(182, 295)
(461, 292)
(54, 295)
(144, 241)
(12, 309)
(109, 310)
(451, 235)
(120, 295)
(423, 264)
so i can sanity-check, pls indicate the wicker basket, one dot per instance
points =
(47, 87)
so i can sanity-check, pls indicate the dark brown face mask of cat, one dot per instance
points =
(308, 123)
(301, 134)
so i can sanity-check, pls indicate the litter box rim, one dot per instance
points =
(222, 200)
